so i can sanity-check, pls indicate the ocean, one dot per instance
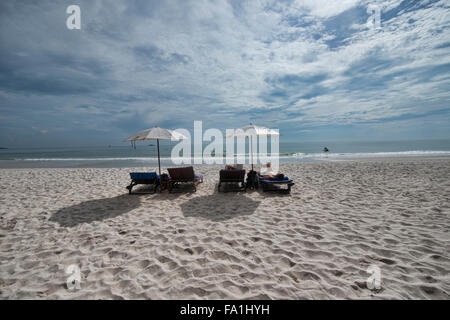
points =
(145, 153)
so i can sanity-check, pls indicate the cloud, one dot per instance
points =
(138, 63)
(326, 9)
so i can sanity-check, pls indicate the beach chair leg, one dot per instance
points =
(289, 187)
(130, 187)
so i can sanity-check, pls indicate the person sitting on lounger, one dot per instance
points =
(268, 173)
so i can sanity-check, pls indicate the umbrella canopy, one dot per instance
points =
(253, 131)
(156, 133)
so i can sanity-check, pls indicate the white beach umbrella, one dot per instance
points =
(157, 133)
(253, 131)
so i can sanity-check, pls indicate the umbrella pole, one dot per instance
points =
(251, 148)
(159, 160)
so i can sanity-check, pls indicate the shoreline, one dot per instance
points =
(19, 164)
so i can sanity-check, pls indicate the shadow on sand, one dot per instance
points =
(219, 206)
(277, 192)
(95, 210)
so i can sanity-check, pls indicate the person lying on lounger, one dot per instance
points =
(268, 173)
(234, 167)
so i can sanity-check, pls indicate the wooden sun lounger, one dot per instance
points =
(232, 176)
(183, 175)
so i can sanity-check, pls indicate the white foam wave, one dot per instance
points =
(301, 155)
(298, 155)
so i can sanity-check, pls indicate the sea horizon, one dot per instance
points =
(145, 154)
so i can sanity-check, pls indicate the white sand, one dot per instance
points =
(316, 243)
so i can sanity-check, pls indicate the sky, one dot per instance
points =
(314, 69)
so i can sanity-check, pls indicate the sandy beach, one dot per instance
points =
(315, 243)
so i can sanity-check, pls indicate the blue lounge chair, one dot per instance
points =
(275, 183)
(150, 178)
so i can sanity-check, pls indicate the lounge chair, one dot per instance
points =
(150, 178)
(274, 184)
(232, 176)
(183, 175)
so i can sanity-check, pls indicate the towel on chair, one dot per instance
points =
(144, 176)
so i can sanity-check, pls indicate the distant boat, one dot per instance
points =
(3, 148)
(325, 149)
(151, 145)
